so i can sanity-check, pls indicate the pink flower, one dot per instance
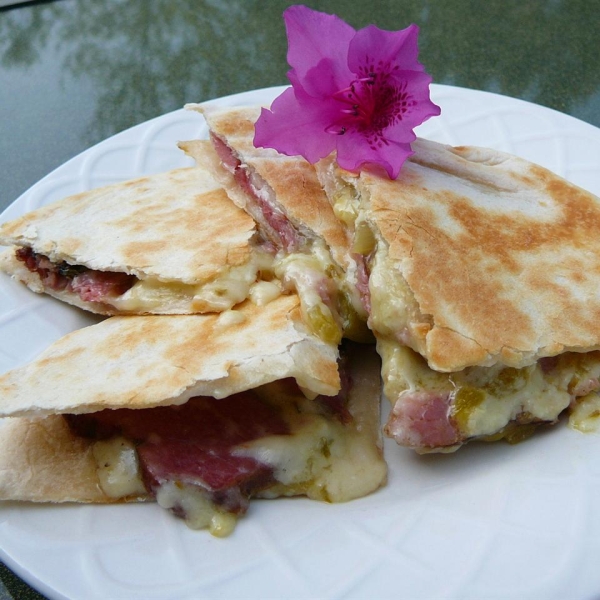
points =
(360, 93)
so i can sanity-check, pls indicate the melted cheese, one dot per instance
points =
(308, 274)
(120, 477)
(231, 317)
(323, 458)
(263, 292)
(307, 269)
(230, 288)
(585, 414)
(485, 400)
(328, 301)
(118, 468)
(342, 195)
(394, 310)
(199, 511)
(391, 301)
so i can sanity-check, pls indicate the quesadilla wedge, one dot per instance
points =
(482, 290)
(171, 243)
(199, 412)
(285, 198)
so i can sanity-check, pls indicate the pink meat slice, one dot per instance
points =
(287, 237)
(194, 443)
(90, 285)
(421, 419)
(97, 286)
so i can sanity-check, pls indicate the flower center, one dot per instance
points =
(375, 100)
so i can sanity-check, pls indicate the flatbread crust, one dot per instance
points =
(140, 362)
(498, 257)
(174, 227)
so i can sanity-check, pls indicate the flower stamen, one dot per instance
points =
(378, 101)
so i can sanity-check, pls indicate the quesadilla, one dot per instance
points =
(284, 196)
(171, 243)
(482, 291)
(199, 412)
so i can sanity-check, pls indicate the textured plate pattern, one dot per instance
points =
(488, 522)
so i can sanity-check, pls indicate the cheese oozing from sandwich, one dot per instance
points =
(438, 412)
(269, 443)
(109, 292)
(200, 412)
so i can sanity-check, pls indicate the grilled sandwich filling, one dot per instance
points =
(125, 293)
(205, 459)
(433, 411)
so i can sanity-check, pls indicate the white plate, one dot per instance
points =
(491, 521)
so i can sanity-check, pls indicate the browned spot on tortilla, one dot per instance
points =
(495, 274)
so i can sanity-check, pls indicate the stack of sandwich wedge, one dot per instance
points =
(245, 298)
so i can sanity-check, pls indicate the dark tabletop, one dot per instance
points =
(73, 72)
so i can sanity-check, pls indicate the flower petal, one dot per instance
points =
(376, 48)
(355, 152)
(295, 127)
(322, 81)
(314, 36)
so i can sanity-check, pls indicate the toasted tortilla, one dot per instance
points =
(176, 232)
(146, 361)
(480, 257)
